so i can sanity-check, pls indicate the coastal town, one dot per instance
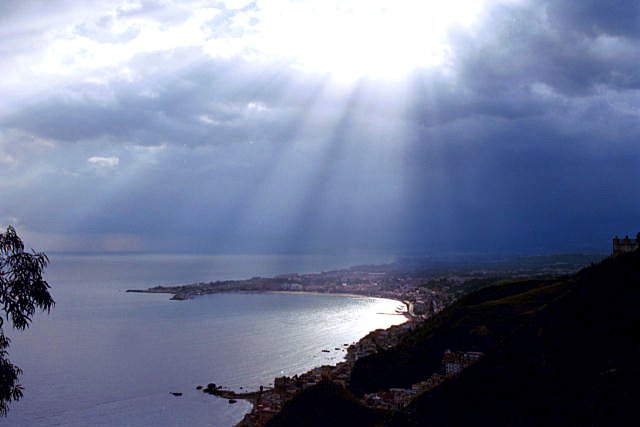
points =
(269, 401)
(420, 300)
(424, 291)
(425, 287)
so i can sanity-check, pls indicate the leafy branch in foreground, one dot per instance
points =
(22, 292)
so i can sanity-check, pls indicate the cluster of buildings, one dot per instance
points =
(422, 303)
(623, 246)
(453, 362)
(270, 401)
(399, 286)
(362, 282)
(285, 388)
(378, 340)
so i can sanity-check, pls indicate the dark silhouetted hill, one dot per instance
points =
(328, 405)
(575, 361)
(557, 352)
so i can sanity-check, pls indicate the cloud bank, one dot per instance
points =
(174, 127)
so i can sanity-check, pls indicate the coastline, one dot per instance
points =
(407, 313)
(403, 290)
(360, 281)
(341, 294)
(268, 401)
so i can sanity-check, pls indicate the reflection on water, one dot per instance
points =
(105, 357)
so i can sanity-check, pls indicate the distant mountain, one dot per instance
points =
(557, 352)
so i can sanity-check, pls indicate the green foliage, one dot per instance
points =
(22, 292)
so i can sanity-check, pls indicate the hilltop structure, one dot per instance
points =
(623, 246)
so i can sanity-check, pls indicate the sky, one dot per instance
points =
(385, 127)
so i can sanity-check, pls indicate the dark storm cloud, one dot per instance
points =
(542, 43)
(536, 138)
(593, 17)
(521, 184)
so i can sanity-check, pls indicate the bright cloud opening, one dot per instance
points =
(352, 39)
(347, 39)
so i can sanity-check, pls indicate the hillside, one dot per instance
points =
(327, 404)
(559, 352)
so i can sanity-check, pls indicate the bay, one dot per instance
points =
(106, 357)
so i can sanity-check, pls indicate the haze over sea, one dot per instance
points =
(106, 357)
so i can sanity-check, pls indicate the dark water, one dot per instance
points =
(105, 357)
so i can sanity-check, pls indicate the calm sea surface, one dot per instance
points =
(106, 357)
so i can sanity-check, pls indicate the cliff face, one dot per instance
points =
(564, 352)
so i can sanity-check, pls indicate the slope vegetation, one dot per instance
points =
(557, 352)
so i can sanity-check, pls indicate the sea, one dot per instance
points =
(104, 357)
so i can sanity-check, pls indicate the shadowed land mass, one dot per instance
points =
(556, 352)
